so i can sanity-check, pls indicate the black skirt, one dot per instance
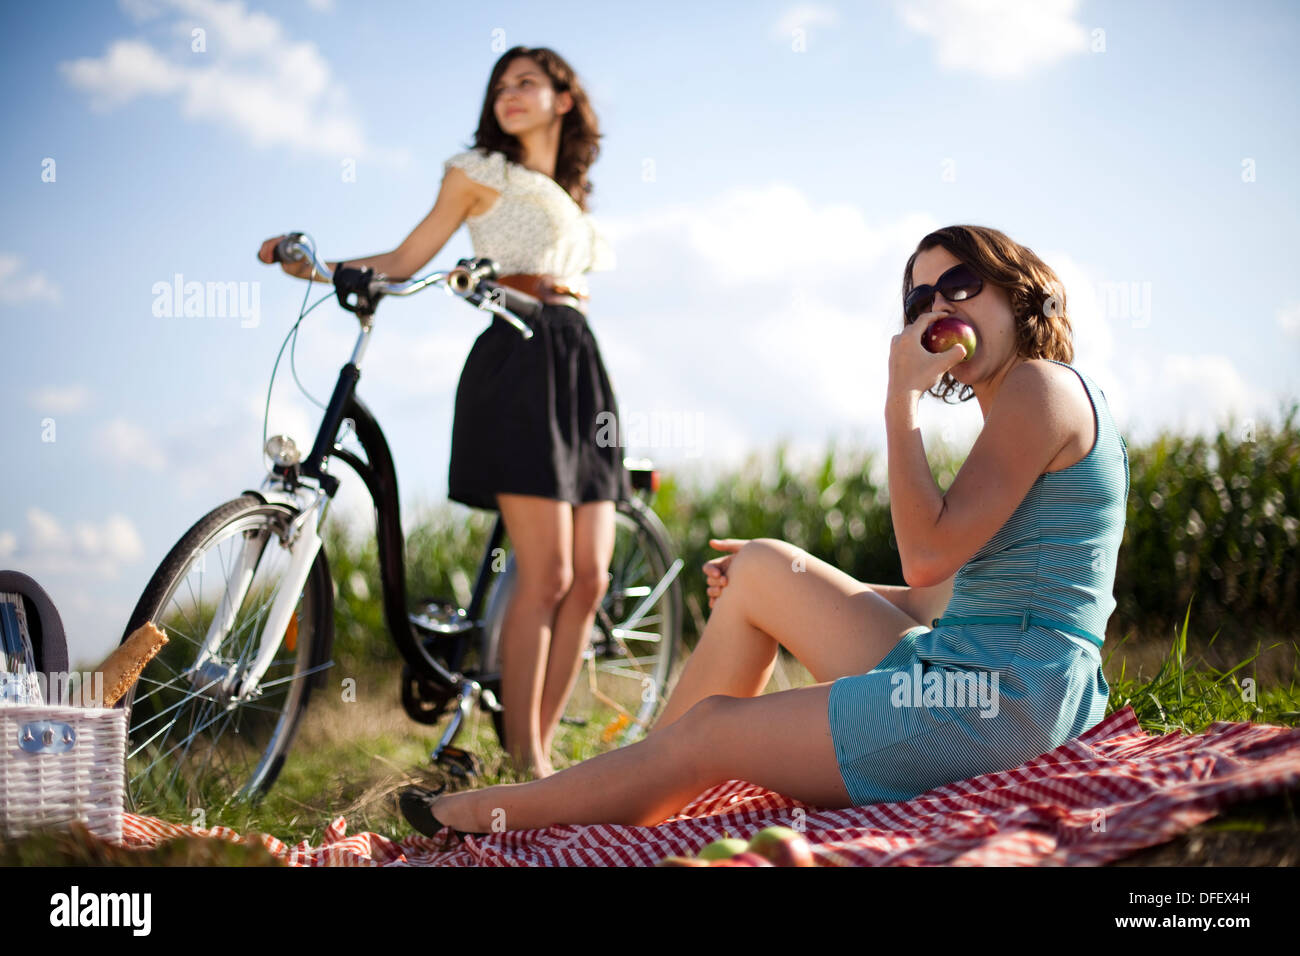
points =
(536, 417)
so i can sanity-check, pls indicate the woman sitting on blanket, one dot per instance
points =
(988, 659)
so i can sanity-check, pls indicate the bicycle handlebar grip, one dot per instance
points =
(281, 251)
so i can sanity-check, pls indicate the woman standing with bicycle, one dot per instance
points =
(529, 412)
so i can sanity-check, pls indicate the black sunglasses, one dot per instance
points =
(957, 284)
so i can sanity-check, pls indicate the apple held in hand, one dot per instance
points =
(782, 847)
(942, 334)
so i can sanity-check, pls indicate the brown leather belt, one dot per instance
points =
(546, 288)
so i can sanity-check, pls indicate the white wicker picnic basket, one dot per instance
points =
(59, 764)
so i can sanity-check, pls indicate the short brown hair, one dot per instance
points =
(1037, 295)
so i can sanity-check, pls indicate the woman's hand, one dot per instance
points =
(912, 368)
(715, 571)
(267, 252)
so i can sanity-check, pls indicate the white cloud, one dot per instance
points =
(1288, 319)
(802, 17)
(90, 549)
(250, 77)
(214, 448)
(17, 286)
(131, 445)
(1147, 391)
(776, 325)
(997, 37)
(779, 318)
(1205, 389)
(775, 235)
(129, 69)
(59, 399)
(1186, 394)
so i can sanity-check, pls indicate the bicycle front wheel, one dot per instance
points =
(193, 739)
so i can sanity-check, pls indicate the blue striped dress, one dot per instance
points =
(1012, 669)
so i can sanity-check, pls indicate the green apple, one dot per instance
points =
(723, 849)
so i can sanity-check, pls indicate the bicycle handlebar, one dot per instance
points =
(359, 290)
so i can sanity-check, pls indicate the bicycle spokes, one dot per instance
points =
(200, 728)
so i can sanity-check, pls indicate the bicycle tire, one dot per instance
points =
(266, 726)
(642, 532)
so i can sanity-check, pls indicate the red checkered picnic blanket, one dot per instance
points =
(1114, 790)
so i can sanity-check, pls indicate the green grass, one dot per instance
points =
(1189, 699)
(350, 758)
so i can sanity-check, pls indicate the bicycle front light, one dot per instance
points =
(283, 451)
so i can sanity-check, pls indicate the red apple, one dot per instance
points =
(782, 846)
(942, 334)
(749, 859)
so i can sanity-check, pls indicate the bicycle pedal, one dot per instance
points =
(459, 763)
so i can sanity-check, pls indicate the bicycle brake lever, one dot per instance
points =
(487, 304)
(350, 281)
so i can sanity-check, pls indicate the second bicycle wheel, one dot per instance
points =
(634, 643)
(193, 739)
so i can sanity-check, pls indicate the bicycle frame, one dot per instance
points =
(347, 412)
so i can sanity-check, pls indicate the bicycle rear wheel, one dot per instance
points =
(634, 644)
(192, 739)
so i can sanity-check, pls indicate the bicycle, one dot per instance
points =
(214, 716)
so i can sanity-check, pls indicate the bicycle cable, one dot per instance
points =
(303, 312)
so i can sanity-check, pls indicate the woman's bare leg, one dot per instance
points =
(780, 741)
(777, 594)
(593, 546)
(541, 535)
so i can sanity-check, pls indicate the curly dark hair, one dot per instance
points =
(1037, 295)
(579, 131)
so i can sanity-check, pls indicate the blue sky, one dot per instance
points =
(766, 170)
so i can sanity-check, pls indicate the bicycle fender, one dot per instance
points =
(323, 648)
(275, 498)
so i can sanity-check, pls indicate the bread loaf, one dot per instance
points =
(122, 668)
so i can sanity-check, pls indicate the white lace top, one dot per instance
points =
(535, 227)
